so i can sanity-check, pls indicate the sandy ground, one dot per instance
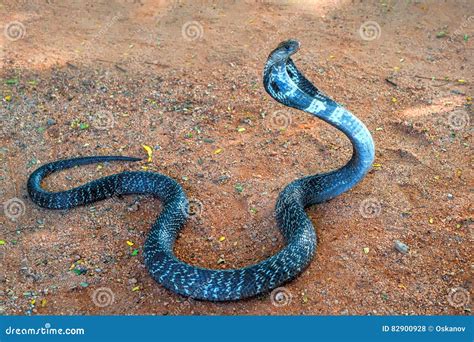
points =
(84, 78)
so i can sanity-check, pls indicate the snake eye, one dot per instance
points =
(290, 46)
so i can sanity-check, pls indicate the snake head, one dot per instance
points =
(283, 51)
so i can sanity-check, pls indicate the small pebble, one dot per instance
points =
(401, 247)
(133, 207)
(222, 179)
(50, 122)
(450, 196)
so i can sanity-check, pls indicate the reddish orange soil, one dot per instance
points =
(87, 78)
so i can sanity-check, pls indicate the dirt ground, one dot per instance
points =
(83, 78)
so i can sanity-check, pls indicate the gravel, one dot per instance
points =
(401, 247)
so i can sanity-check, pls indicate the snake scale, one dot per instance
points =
(284, 82)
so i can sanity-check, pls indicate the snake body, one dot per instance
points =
(283, 81)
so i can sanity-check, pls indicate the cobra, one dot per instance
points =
(283, 82)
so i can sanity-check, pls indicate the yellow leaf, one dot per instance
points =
(43, 302)
(241, 129)
(33, 301)
(149, 151)
(377, 165)
(130, 243)
(2, 242)
(136, 288)
(394, 99)
(8, 98)
(462, 81)
(366, 250)
(219, 150)
(431, 220)
(222, 238)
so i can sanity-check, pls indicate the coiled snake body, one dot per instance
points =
(287, 85)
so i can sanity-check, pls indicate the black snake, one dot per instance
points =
(287, 85)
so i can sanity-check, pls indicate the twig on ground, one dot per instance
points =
(389, 81)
